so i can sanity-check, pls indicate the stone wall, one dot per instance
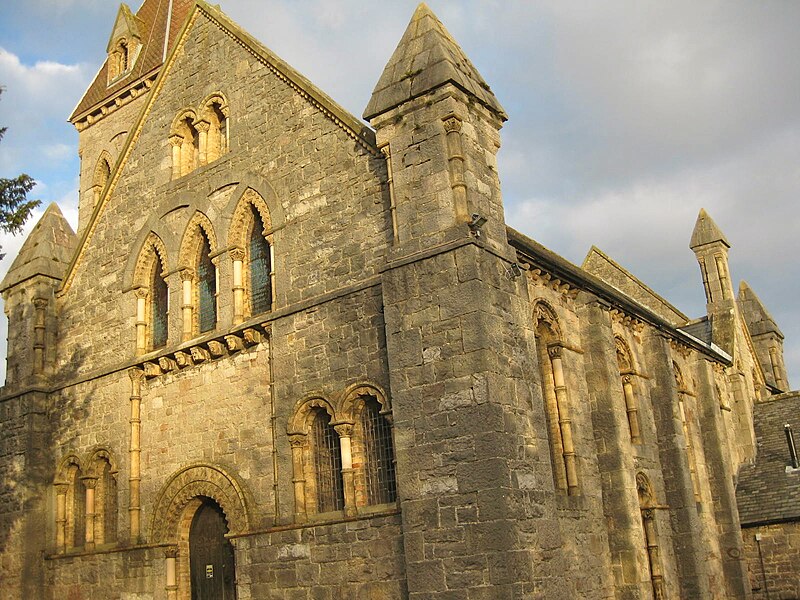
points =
(779, 579)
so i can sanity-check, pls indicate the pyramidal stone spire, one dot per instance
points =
(426, 58)
(706, 232)
(759, 321)
(47, 251)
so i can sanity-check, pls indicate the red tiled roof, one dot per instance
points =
(152, 16)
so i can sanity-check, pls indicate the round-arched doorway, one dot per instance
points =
(211, 558)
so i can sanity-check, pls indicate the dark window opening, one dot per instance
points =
(328, 464)
(379, 468)
(207, 284)
(260, 268)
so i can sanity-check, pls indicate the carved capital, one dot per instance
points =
(297, 440)
(136, 374)
(176, 140)
(554, 351)
(171, 552)
(40, 303)
(141, 293)
(344, 429)
(236, 254)
(648, 514)
(452, 123)
(387, 153)
(187, 274)
(89, 481)
(626, 379)
(202, 126)
(61, 488)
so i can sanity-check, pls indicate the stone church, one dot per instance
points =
(291, 354)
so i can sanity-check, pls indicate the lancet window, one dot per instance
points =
(199, 277)
(378, 448)
(206, 288)
(556, 398)
(152, 296)
(159, 305)
(70, 506)
(327, 463)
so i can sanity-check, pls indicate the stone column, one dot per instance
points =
(61, 517)
(202, 133)
(455, 161)
(40, 305)
(237, 255)
(271, 272)
(651, 539)
(137, 376)
(171, 556)
(90, 484)
(345, 431)
(632, 409)
(141, 320)
(564, 419)
(187, 278)
(298, 443)
(387, 154)
(177, 142)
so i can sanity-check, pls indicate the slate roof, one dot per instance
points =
(706, 232)
(426, 58)
(152, 19)
(699, 328)
(47, 251)
(766, 491)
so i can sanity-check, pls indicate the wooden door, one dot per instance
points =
(211, 555)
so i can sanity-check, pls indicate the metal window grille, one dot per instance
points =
(260, 268)
(379, 468)
(328, 464)
(158, 307)
(207, 283)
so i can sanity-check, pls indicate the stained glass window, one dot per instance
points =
(207, 288)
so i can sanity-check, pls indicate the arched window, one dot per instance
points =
(216, 114)
(159, 305)
(556, 399)
(185, 140)
(327, 456)
(102, 172)
(206, 287)
(378, 448)
(260, 266)
(626, 372)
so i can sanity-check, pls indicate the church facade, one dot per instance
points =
(293, 354)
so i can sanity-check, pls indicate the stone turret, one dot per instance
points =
(29, 293)
(438, 123)
(767, 337)
(710, 246)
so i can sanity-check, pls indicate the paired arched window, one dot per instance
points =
(201, 137)
(121, 58)
(86, 502)
(343, 463)
(550, 345)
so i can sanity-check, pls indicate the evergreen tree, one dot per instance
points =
(15, 208)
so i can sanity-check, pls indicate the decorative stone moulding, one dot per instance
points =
(206, 351)
(112, 104)
(680, 348)
(626, 320)
(548, 280)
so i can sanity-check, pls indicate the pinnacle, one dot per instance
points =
(706, 231)
(426, 58)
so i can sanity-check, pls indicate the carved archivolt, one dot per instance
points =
(679, 380)
(545, 317)
(153, 245)
(193, 481)
(64, 470)
(353, 400)
(95, 461)
(624, 356)
(237, 236)
(645, 491)
(191, 239)
(301, 417)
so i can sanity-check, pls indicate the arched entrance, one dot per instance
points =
(212, 568)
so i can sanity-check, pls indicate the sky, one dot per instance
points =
(625, 118)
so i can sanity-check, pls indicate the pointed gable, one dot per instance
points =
(158, 23)
(426, 58)
(706, 231)
(47, 251)
(126, 25)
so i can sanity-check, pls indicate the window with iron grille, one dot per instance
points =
(379, 466)
(158, 306)
(260, 268)
(327, 464)
(207, 288)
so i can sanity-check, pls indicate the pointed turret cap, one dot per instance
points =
(426, 58)
(47, 251)
(756, 315)
(706, 232)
